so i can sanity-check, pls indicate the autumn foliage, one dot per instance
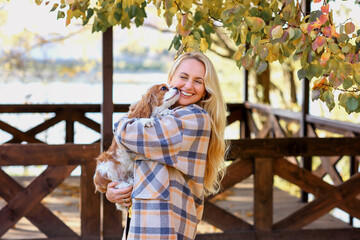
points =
(264, 31)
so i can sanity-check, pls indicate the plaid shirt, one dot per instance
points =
(168, 195)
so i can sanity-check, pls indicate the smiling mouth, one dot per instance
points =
(186, 94)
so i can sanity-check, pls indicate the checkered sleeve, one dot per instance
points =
(179, 140)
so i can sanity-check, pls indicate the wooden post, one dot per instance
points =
(354, 165)
(90, 204)
(263, 194)
(307, 161)
(69, 138)
(244, 126)
(111, 219)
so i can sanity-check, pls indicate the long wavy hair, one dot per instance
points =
(215, 105)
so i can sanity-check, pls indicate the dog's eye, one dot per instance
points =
(163, 88)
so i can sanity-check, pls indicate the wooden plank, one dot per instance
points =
(319, 234)
(90, 203)
(236, 172)
(264, 131)
(18, 136)
(212, 214)
(279, 132)
(321, 170)
(281, 113)
(70, 130)
(43, 154)
(293, 147)
(321, 205)
(27, 199)
(263, 194)
(46, 108)
(112, 219)
(312, 184)
(81, 118)
(46, 124)
(333, 125)
(52, 227)
(235, 115)
(251, 123)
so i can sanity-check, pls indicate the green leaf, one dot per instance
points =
(89, 13)
(168, 17)
(352, 104)
(301, 74)
(314, 15)
(255, 23)
(54, 7)
(348, 82)
(297, 34)
(357, 78)
(60, 14)
(197, 16)
(262, 67)
(328, 98)
(315, 94)
(266, 14)
(117, 16)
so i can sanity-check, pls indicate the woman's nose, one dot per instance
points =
(189, 84)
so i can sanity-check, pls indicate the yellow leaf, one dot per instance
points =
(203, 45)
(349, 27)
(239, 53)
(181, 30)
(277, 32)
(186, 3)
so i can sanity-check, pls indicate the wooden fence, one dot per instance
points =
(262, 158)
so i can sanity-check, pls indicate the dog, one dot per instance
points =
(116, 164)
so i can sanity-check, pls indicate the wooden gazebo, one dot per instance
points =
(261, 152)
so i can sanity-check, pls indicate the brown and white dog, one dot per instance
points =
(116, 164)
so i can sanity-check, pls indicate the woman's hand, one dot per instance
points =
(121, 195)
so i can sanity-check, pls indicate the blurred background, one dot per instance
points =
(44, 62)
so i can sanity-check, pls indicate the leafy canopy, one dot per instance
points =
(263, 30)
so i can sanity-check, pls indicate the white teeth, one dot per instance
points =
(186, 94)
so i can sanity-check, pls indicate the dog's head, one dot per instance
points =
(159, 97)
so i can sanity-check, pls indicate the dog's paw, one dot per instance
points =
(147, 122)
(165, 112)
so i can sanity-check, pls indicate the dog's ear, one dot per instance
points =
(144, 107)
(100, 182)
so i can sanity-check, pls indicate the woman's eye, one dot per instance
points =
(163, 88)
(183, 77)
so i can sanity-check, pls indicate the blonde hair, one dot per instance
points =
(215, 105)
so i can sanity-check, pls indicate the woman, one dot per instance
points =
(181, 158)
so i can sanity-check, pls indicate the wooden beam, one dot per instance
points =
(43, 154)
(111, 219)
(293, 147)
(318, 234)
(236, 172)
(39, 215)
(222, 219)
(25, 201)
(312, 184)
(321, 205)
(90, 204)
(263, 194)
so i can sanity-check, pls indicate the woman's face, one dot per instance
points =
(189, 79)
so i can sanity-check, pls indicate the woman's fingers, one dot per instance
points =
(121, 195)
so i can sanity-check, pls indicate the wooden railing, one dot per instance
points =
(262, 158)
